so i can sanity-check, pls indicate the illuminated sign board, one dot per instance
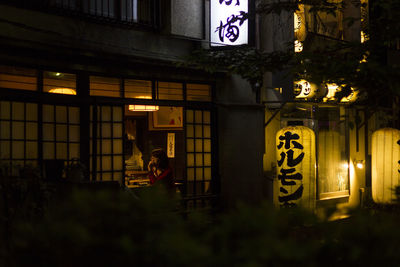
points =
(228, 22)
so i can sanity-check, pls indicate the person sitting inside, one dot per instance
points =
(160, 171)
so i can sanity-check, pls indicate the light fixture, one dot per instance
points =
(304, 89)
(64, 91)
(143, 107)
(351, 97)
(298, 46)
(332, 89)
(345, 165)
(364, 37)
(359, 164)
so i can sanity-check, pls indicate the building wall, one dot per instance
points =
(241, 142)
(42, 29)
(36, 39)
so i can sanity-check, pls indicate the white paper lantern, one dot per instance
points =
(304, 89)
(385, 164)
(296, 166)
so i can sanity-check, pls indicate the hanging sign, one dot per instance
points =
(228, 22)
(385, 165)
(296, 167)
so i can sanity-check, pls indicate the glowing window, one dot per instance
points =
(18, 78)
(104, 86)
(198, 92)
(59, 83)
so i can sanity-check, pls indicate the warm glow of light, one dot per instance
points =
(364, 37)
(64, 91)
(351, 98)
(360, 165)
(345, 165)
(385, 156)
(143, 107)
(331, 177)
(304, 89)
(299, 28)
(298, 46)
(364, 59)
(297, 22)
(332, 88)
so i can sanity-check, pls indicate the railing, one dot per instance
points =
(129, 12)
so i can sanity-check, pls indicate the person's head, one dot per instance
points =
(159, 158)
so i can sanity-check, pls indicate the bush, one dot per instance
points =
(108, 228)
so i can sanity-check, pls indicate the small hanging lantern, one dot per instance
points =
(298, 46)
(385, 164)
(296, 167)
(304, 89)
(299, 21)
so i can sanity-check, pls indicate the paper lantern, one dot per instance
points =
(298, 46)
(385, 164)
(304, 89)
(296, 167)
(332, 173)
(299, 21)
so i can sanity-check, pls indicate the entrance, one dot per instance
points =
(148, 128)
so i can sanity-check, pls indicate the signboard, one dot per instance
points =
(228, 22)
(171, 145)
(295, 153)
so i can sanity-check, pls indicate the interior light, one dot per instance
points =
(345, 165)
(143, 107)
(64, 91)
(359, 164)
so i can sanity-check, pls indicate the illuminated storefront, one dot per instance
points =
(111, 128)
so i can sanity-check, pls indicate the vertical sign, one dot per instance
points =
(171, 145)
(296, 167)
(228, 22)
